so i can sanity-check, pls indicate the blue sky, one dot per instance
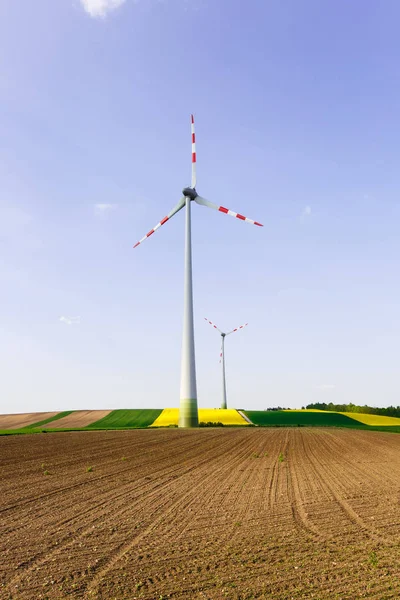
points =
(296, 107)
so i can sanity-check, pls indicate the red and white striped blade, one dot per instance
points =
(193, 153)
(221, 352)
(212, 324)
(237, 329)
(222, 209)
(176, 208)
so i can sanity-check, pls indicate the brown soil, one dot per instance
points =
(201, 514)
(79, 418)
(18, 421)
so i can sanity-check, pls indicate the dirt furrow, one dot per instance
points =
(220, 513)
(206, 481)
(334, 477)
(117, 506)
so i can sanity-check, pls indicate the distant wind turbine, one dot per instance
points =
(222, 357)
(188, 412)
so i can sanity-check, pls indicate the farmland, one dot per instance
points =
(296, 417)
(210, 513)
(120, 419)
(29, 419)
(81, 420)
(78, 419)
(226, 416)
(316, 418)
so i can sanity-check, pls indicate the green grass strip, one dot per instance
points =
(389, 428)
(127, 418)
(3, 432)
(49, 420)
(283, 418)
(16, 431)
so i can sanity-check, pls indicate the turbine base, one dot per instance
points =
(188, 413)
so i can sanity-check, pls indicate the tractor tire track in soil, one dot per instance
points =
(336, 480)
(212, 513)
(204, 480)
(118, 505)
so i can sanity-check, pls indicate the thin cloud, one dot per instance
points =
(100, 8)
(70, 320)
(103, 210)
(305, 213)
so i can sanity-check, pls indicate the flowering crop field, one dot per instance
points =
(226, 416)
(373, 420)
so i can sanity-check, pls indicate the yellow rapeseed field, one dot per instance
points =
(169, 416)
(372, 419)
(228, 416)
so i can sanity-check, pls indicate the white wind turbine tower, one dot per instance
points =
(222, 357)
(188, 412)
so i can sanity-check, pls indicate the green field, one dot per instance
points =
(122, 419)
(305, 418)
(274, 418)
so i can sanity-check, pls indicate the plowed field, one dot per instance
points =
(23, 420)
(80, 418)
(202, 514)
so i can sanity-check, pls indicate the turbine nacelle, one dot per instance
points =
(190, 193)
(223, 333)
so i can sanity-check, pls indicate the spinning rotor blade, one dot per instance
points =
(237, 329)
(212, 324)
(176, 208)
(222, 209)
(193, 154)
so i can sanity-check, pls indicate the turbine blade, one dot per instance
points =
(237, 329)
(220, 353)
(212, 324)
(193, 153)
(176, 208)
(222, 209)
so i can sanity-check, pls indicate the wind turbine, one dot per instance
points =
(222, 356)
(188, 412)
